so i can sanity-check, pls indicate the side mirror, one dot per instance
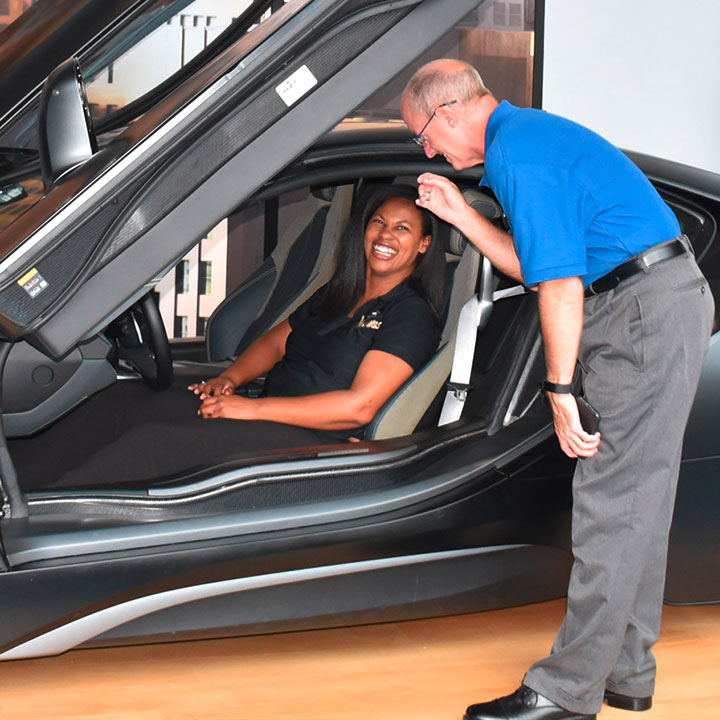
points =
(65, 126)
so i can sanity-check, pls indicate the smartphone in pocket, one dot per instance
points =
(589, 416)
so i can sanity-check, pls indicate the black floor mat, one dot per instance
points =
(129, 435)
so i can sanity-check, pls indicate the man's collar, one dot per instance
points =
(502, 111)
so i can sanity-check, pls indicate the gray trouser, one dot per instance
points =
(642, 349)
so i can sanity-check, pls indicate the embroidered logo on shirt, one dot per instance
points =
(371, 322)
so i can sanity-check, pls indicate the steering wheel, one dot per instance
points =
(143, 343)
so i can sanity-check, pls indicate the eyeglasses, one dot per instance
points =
(419, 139)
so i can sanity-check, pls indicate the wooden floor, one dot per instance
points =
(421, 670)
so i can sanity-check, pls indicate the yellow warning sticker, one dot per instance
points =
(32, 282)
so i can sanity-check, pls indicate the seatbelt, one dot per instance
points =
(474, 316)
(459, 383)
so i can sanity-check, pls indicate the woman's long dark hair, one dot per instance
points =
(347, 284)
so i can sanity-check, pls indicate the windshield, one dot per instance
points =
(123, 75)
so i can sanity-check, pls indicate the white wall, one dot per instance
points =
(645, 74)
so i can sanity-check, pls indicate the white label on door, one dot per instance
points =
(297, 85)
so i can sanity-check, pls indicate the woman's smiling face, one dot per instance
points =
(394, 238)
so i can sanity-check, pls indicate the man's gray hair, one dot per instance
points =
(441, 81)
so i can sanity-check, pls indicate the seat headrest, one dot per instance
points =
(482, 203)
(323, 192)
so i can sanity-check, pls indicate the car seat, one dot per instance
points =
(300, 264)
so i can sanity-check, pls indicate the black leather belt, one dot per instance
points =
(639, 263)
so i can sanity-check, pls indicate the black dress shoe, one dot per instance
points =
(523, 704)
(628, 702)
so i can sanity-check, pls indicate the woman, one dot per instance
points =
(342, 355)
(330, 367)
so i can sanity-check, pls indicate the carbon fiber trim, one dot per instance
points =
(60, 266)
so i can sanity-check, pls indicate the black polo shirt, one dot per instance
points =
(323, 353)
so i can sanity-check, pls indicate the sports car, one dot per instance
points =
(456, 499)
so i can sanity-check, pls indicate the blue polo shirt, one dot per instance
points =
(577, 206)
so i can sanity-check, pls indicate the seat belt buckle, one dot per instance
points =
(459, 390)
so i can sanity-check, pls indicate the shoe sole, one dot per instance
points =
(627, 702)
(568, 717)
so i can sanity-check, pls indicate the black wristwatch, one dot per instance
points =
(557, 388)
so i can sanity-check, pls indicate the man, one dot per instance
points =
(619, 292)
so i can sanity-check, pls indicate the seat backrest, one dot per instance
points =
(402, 412)
(300, 264)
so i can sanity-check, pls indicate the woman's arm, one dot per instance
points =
(260, 357)
(380, 374)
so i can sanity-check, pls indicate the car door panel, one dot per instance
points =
(221, 168)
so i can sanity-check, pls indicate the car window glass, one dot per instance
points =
(134, 61)
(142, 60)
(151, 49)
(498, 38)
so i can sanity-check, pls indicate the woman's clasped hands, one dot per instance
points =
(218, 400)
(220, 385)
